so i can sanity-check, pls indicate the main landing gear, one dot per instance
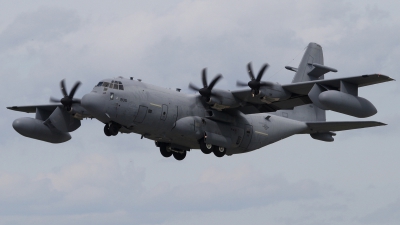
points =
(208, 148)
(111, 129)
(179, 154)
(166, 151)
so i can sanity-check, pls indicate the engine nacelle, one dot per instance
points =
(272, 93)
(34, 128)
(347, 104)
(222, 100)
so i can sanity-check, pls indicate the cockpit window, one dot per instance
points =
(114, 85)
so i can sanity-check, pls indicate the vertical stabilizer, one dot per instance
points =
(313, 55)
(310, 68)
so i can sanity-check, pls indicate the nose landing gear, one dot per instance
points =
(111, 129)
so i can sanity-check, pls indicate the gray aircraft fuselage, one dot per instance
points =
(164, 115)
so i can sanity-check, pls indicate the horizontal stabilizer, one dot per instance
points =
(319, 70)
(321, 127)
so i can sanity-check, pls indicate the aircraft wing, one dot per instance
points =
(50, 108)
(32, 108)
(299, 93)
(364, 80)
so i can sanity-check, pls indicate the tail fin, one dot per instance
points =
(313, 55)
(310, 68)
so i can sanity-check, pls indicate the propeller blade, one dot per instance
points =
(250, 71)
(213, 82)
(63, 89)
(241, 84)
(193, 87)
(261, 73)
(55, 100)
(73, 90)
(204, 77)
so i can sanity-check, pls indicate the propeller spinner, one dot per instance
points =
(255, 83)
(68, 99)
(206, 91)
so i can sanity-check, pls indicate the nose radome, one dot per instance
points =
(93, 103)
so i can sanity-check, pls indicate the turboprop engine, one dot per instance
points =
(347, 104)
(48, 126)
(36, 129)
(344, 101)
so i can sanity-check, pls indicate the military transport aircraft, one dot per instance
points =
(218, 121)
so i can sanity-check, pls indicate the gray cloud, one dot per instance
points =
(389, 214)
(43, 25)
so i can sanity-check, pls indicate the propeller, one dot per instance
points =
(206, 90)
(68, 99)
(255, 83)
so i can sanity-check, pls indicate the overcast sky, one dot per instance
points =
(93, 179)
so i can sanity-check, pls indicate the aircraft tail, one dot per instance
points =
(311, 68)
(307, 71)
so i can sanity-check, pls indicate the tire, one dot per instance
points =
(113, 129)
(164, 151)
(206, 148)
(219, 151)
(107, 131)
(179, 156)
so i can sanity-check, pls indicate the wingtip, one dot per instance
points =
(379, 123)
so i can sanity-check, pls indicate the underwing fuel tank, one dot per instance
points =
(34, 128)
(347, 104)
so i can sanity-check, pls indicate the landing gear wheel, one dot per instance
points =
(179, 155)
(107, 131)
(113, 129)
(206, 148)
(219, 151)
(164, 150)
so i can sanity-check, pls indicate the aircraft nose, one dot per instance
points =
(93, 103)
